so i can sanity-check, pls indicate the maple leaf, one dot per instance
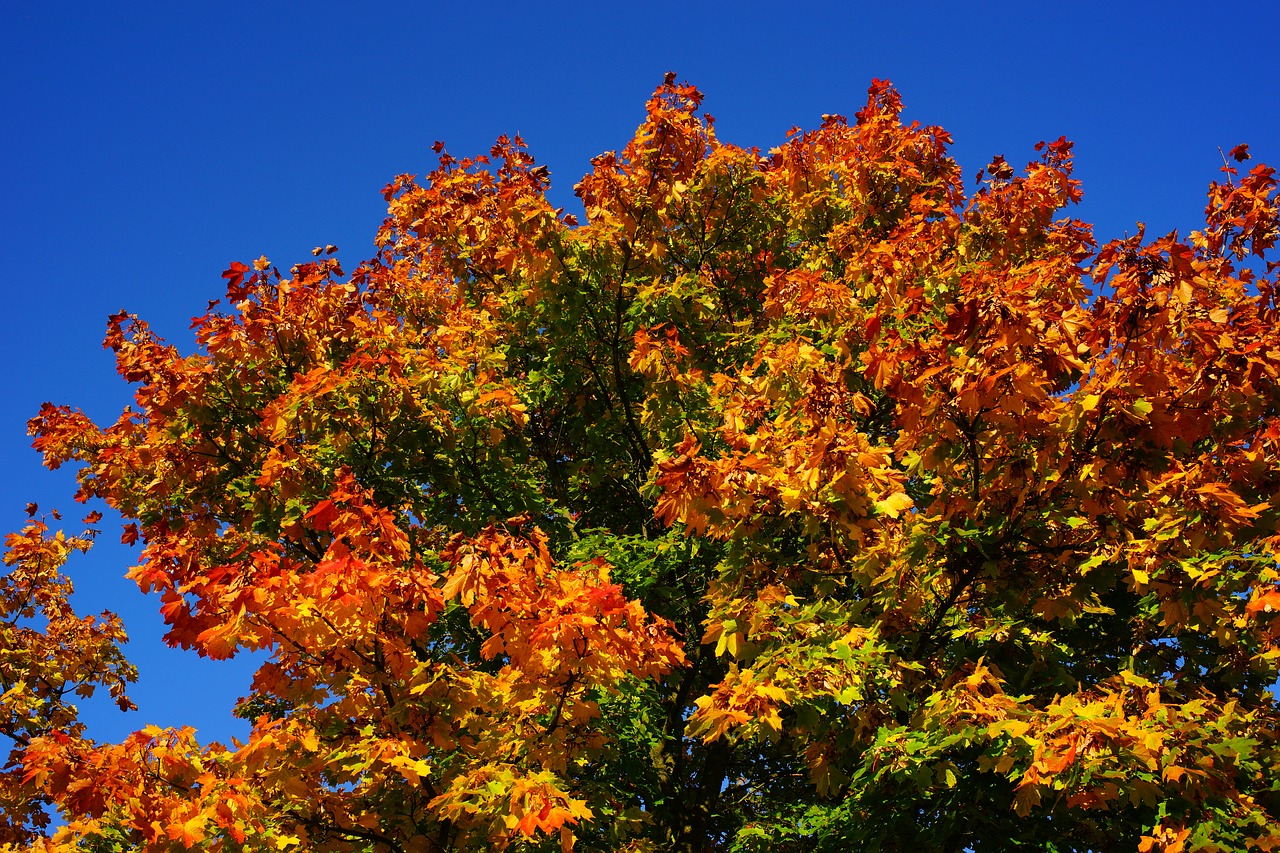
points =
(235, 274)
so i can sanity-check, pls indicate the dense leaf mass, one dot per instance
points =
(792, 501)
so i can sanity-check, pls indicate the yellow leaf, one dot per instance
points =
(893, 505)
(1133, 678)
(1016, 728)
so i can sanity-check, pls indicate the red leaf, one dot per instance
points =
(235, 274)
(322, 514)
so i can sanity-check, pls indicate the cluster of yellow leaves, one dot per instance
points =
(48, 656)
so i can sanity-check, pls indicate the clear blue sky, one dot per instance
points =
(148, 145)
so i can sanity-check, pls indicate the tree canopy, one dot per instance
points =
(791, 501)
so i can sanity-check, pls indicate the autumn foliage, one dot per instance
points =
(791, 501)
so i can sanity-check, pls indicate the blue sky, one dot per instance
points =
(149, 144)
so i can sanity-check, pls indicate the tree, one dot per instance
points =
(794, 501)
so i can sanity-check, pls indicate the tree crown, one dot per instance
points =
(790, 500)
